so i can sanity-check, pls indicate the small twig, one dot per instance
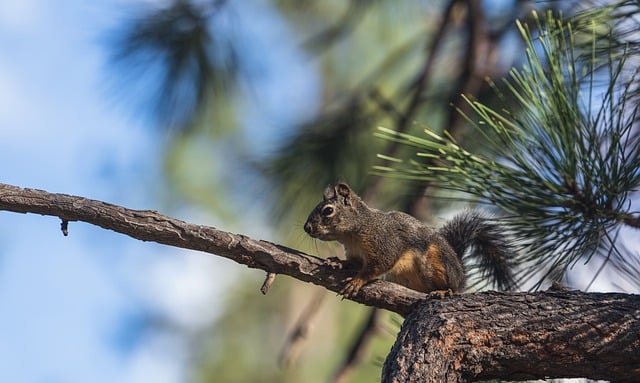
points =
(632, 221)
(384, 103)
(268, 281)
(424, 77)
(345, 25)
(64, 226)
(295, 340)
(477, 62)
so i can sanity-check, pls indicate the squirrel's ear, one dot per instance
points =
(329, 193)
(343, 189)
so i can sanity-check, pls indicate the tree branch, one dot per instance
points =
(631, 220)
(147, 225)
(519, 336)
(466, 337)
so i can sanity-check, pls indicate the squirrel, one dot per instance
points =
(405, 250)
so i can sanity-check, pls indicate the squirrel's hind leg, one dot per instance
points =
(352, 287)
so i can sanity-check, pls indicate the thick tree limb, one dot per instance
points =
(148, 225)
(467, 337)
(519, 336)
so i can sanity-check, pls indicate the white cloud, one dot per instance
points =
(188, 287)
(161, 359)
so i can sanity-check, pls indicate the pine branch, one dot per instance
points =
(171, 51)
(562, 169)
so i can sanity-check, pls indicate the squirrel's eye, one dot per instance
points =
(327, 211)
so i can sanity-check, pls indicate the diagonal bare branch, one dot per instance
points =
(148, 225)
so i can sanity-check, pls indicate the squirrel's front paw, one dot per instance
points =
(352, 287)
(441, 294)
(334, 262)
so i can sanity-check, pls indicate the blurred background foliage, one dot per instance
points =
(254, 146)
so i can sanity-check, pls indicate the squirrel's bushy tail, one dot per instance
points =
(489, 244)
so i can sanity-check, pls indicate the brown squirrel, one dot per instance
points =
(408, 252)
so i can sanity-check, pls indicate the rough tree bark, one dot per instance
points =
(459, 338)
(517, 336)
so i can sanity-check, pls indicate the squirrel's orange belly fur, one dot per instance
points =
(407, 270)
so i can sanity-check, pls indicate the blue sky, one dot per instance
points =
(66, 303)
(75, 309)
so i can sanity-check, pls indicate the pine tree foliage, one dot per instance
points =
(563, 168)
(174, 50)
